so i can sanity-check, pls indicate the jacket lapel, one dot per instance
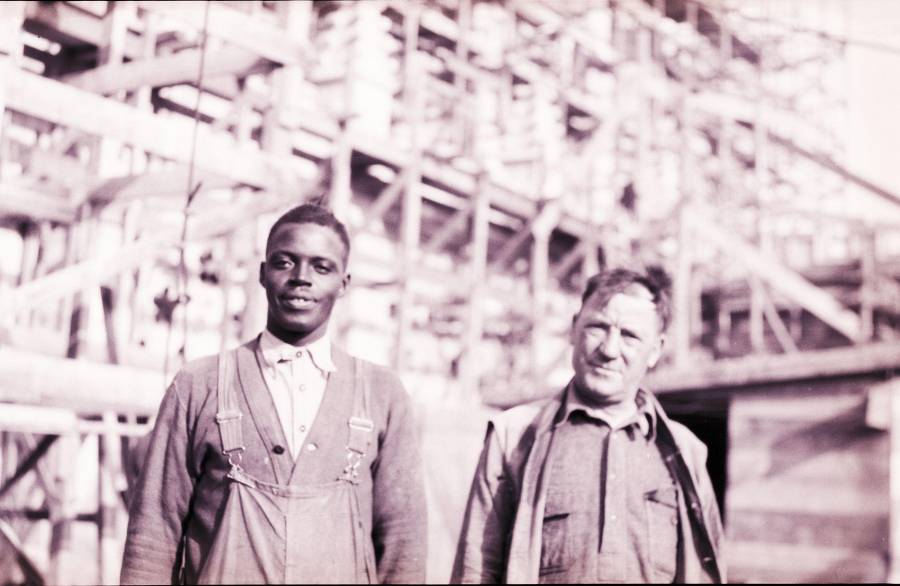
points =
(262, 407)
(524, 561)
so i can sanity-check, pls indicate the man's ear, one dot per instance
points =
(657, 351)
(345, 282)
(262, 274)
(572, 329)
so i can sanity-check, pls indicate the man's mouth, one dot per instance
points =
(604, 370)
(298, 302)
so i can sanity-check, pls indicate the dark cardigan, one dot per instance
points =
(182, 490)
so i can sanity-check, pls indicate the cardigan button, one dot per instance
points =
(278, 450)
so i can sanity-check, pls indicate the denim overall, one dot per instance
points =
(272, 533)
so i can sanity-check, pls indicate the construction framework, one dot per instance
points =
(487, 158)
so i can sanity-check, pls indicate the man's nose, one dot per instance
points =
(301, 272)
(611, 346)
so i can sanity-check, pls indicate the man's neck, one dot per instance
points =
(297, 338)
(615, 414)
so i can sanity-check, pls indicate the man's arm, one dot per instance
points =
(161, 499)
(399, 512)
(481, 554)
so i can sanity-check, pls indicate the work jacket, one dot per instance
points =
(176, 510)
(500, 540)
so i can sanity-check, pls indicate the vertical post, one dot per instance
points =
(463, 20)
(869, 283)
(253, 317)
(413, 97)
(681, 318)
(540, 260)
(108, 301)
(469, 371)
(341, 175)
(11, 18)
(225, 286)
(63, 560)
(757, 334)
(894, 480)
(109, 553)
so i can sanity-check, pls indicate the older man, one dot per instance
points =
(284, 460)
(596, 484)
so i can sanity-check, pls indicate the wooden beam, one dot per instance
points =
(17, 200)
(163, 183)
(733, 373)
(29, 568)
(69, 25)
(27, 378)
(235, 27)
(775, 322)
(470, 365)
(548, 215)
(445, 233)
(787, 282)
(385, 200)
(165, 70)
(164, 136)
(565, 264)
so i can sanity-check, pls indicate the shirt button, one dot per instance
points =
(302, 388)
(278, 449)
(302, 428)
(311, 447)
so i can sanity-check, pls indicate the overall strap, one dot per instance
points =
(678, 467)
(228, 416)
(360, 425)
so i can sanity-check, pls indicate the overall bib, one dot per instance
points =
(272, 533)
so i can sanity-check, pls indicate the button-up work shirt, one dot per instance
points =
(296, 377)
(612, 506)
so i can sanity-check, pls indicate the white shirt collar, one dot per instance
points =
(273, 350)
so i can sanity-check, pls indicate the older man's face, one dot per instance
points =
(615, 341)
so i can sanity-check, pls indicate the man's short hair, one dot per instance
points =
(654, 279)
(310, 213)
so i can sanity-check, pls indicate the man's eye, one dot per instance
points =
(323, 269)
(281, 263)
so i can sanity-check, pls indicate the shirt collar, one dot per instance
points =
(644, 417)
(272, 350)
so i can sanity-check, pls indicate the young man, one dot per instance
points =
(596, 484)
(285, 460)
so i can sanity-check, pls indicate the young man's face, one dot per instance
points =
(615, 342)
(304, 273)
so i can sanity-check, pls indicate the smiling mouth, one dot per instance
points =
(298, 302)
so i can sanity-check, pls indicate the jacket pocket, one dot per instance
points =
(661, 508)
(555, 551)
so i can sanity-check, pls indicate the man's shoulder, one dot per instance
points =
(515, 421)
(384, 383)
(200, 373)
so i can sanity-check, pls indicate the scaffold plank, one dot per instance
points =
(732, 373)
(29, 378)
(165, 70)
(233, 26)
(168, 137)
(787, 282)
